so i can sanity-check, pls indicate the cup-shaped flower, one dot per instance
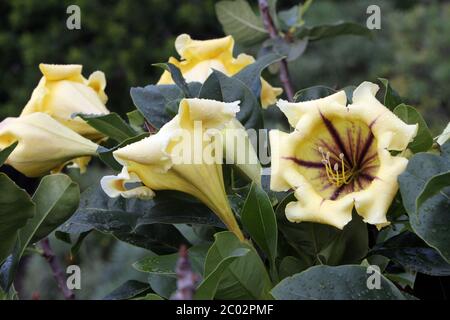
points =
(63, 92)
(200, 57)
(44, 144)
(338, 158)
(185, 155)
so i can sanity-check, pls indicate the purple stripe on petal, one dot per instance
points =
(304, 163)
(336, 137)
(365, 148)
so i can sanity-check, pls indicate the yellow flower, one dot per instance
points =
(43, 144)
(63, 91)
(185, 155)
(200, 57)
(338, 158)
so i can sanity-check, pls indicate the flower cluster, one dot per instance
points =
(337, 158)
(47, 135)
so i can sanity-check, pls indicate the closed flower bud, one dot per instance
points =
(199, 58)
(63, 92)
(44, 144)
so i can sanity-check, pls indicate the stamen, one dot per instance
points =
(334, 175)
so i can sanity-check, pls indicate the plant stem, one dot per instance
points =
(57, 270)
(273, 33)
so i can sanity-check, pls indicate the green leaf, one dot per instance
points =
(239, 20)
(150, 297)
(208, 288)
(144, 223)
(333, 30)
(348, 282)
(391, 97)
(433, 187)
(312, 93)
(106, 155)
(423, 140)
(163, 285)
(159, 103)
(259, 220)
(16, 208)
(128, 290)
(4, 154)
(316, 243)
(412, 253)
(430, 220)
(220, 87)
(136, 120)
(177, 77)
(111, 125)
(291, 265)
(245, 278)
(56, 199)
(251, 74)
(166, 264)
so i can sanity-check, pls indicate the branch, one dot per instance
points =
(187, 280)
(273, 32)
(57, 270)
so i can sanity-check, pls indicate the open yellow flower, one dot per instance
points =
(338, 158)
(63, 91)
(43, 144)
(200, 57)
(185, 155)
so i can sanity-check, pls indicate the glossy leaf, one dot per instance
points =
(144, 223)
(244, 278)
(4, 154)
(412, 252)
(128, 290)
(391, 97)
(111, 125)
(347, 282)
(16, 207)
(208, 288)
(239, 20)
(56, 199)
(431, 220)
(423, 140)
(220, 87)
(259, 220)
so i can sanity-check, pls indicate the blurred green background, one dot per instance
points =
(124, 38)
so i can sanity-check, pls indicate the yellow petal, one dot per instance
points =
(366, 106)
(44, 144)
(202, 50)
(269, 94)
(328, 106)
(238, 150)
(57, 72)
(115, 186)
(211, 113)
(373, 203)
(62, 92)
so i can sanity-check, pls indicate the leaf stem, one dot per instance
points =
(273, 32)
(57, 270)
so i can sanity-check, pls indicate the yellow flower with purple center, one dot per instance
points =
(338, 157)
(200, 57)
